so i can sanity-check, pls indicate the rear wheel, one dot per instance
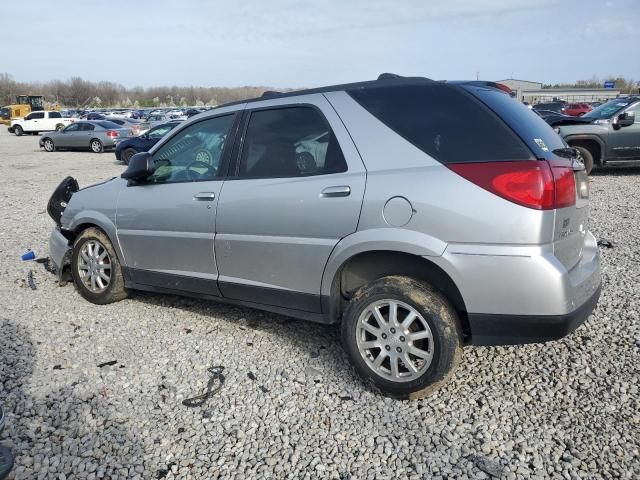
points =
(49, 145)
(402, 336)
(59, 127)
(127, 154)
(95, 268)
(96, 146)
(587, 158)
(18, 130)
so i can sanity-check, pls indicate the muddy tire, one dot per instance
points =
(95, 268)
(587, 158)
(402, 337)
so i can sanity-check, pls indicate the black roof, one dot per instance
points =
(383, 80)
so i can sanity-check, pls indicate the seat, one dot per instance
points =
(279, 160)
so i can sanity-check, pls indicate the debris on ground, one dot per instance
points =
(252, 376)
(488, 466)
(107, 364)
(603, 242)
(30, 281)
(28, 255)
(216, 376)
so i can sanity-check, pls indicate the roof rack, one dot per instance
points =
(270, 94)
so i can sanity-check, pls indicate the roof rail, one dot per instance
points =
(270, 94)
(389, 76)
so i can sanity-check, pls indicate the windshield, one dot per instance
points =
(607, 110)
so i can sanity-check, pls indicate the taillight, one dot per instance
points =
(112, 134)
(533, 184)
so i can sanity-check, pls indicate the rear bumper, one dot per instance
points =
(488, 329)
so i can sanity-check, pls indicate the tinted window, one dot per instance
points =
(289, 142)
(86, 127)
(55, 115)
(193, 154)
(108, 125)
(529, 126)
(74, 127)
(444, 122)
(35, 116)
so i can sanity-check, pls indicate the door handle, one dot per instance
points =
(204, 196)
(337, 191)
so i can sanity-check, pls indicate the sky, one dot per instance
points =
(298, 43)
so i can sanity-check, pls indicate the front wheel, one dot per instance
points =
(402, 336)
(96, 146)
(127, 154)
(48, 144)
(95, 268)
(587, 158)
(18, 130)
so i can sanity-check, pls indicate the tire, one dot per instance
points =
(96, 146)
(18, 130)
(436, 328)
(48, 145)
(59, 127)
(86, 268)
(126, 155)
(587, 158)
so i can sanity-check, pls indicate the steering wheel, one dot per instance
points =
(193, 175)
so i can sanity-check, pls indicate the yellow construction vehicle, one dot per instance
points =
(25, 104)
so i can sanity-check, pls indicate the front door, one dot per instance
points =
(166, 224)
(296, 191)
(625, 141)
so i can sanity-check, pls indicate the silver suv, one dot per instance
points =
(419, 215)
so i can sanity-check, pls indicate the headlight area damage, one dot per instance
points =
(59, 243)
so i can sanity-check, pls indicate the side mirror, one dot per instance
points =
(141, 165)
(625, 119)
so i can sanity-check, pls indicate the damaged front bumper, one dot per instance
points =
(59, 252)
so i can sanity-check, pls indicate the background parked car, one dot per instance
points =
(558, 107)
(142, 143)
(577, 109)
(137, 127)
(37, 122)
(96, 136)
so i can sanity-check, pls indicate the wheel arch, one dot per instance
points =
(593, 143)
(367, 266)
(99, 221)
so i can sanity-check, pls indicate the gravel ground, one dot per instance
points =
(291, 406)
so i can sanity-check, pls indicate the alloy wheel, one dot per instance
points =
(94, 266)
(395, 340)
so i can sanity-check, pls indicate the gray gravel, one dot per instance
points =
(291, 406)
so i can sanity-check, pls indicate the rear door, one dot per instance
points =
(294, 192)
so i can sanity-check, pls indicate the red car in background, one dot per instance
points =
(577, 109)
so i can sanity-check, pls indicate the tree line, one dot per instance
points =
(78, 92)
(625, 85)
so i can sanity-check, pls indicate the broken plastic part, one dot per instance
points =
(60, 198)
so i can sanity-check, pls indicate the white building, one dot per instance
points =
(532, 92)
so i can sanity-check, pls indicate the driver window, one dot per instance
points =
(73, 127)
(194, 153)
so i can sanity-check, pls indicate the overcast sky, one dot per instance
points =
(297, 43)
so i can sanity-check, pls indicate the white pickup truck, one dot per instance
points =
(42, 121)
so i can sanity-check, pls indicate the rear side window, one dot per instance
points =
(444, 122)
(289, 142)
(55, 115)
(108, 125)
(536, 133)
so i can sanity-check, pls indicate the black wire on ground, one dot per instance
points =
(216, 376)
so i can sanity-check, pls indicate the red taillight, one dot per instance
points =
(530, 183)
(112, 134)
